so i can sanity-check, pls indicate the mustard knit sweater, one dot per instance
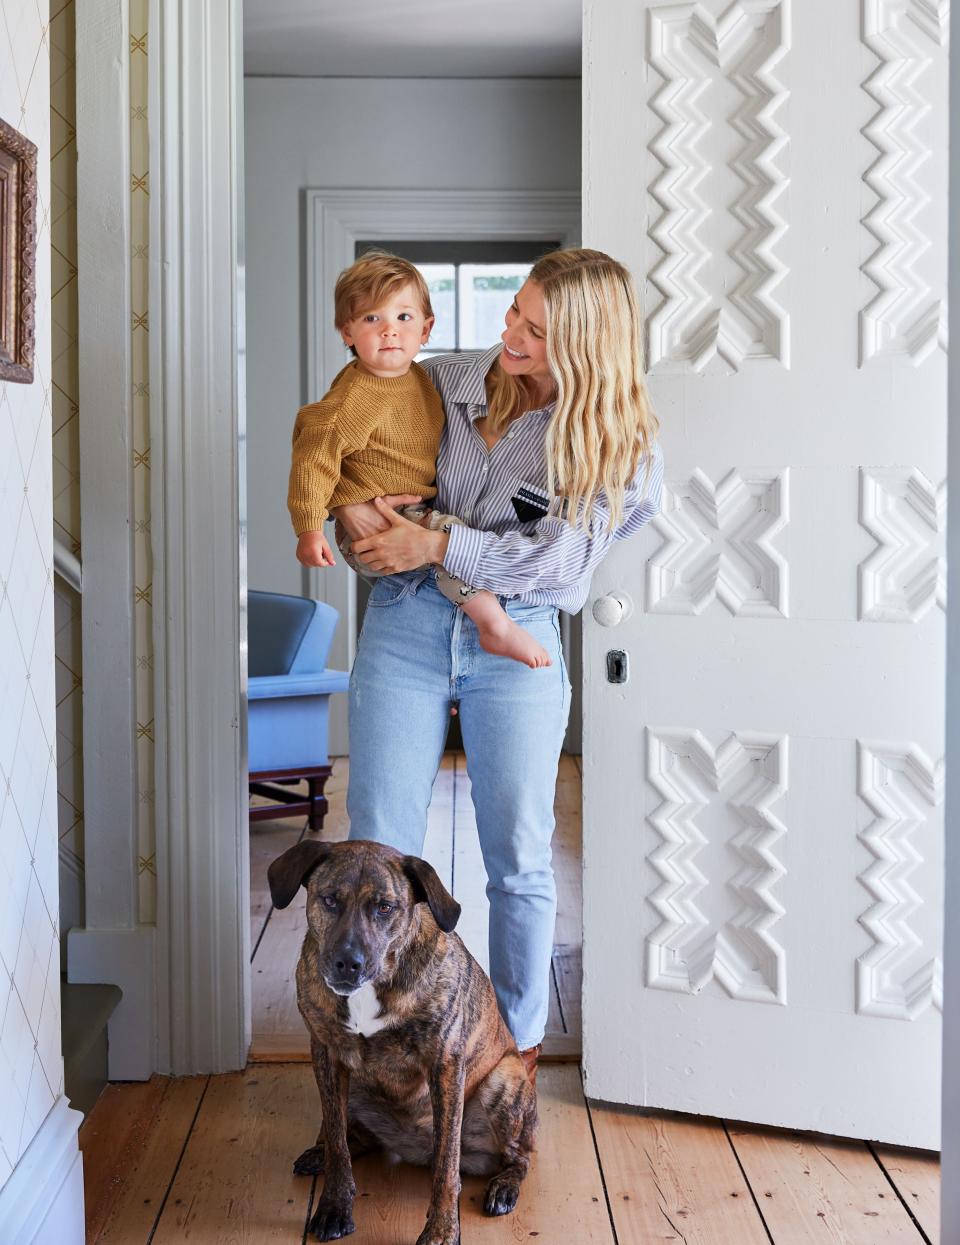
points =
(367, 437)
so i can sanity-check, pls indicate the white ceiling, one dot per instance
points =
(412, 38)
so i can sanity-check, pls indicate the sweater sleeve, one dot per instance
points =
(557, 554)
(324, 434)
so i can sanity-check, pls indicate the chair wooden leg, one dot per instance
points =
(318, 801)
(289, 803)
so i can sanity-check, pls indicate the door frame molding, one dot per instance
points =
(198, 525)
(335, 221)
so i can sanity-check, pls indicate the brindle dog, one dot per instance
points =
(409, 1050)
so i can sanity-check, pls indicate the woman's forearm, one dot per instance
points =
(557, 554)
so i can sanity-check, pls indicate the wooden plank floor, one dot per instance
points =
(208, 1159)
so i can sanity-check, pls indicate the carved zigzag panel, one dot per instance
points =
(718, 545)
(717, 864)
(907, 574)
(908, 314)
(901, 975)
(719, 223)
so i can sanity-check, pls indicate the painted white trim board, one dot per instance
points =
(42, 1200)
(197, 437)
(106, 466)
(125, 958)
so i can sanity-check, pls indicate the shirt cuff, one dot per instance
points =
(464, 547)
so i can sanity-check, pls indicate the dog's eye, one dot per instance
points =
(384, 909)
(330, 901)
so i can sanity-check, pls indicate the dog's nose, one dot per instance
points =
(349, 963)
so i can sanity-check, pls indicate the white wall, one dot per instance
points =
(508, 134)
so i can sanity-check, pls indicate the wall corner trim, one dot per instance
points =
(43, 1197)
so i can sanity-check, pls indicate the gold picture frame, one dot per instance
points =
(18, 254)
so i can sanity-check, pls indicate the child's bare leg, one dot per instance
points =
(500, 634)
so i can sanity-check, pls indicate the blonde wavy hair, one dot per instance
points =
(603, 426)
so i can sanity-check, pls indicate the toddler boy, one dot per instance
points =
(376, 432)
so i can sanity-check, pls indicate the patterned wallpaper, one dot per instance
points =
(66, 458)
(31, 1069)
(143, 560)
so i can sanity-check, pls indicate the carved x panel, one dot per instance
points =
(907, 574)
(719, 545)
(717, 864)
(902, 974)
(719, 222)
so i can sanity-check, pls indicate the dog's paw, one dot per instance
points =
(501, 1195)
(439, 1236)
(332, 1221)
(310, 1162)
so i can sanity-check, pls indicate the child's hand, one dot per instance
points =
(313, 550)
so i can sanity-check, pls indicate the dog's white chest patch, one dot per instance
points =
(365, 1017)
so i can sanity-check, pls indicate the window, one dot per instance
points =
(471, 286)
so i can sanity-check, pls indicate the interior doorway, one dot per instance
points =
(489, 181)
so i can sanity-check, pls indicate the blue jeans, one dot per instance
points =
(417, 654)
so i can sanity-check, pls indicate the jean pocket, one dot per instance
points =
(389, 590)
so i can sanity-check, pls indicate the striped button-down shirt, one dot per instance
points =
(514, 541)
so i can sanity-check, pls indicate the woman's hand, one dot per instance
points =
(313, 550)
(401, 546)
(363, 519)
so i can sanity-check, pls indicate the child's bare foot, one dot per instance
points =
(500, 634)
(508, 639)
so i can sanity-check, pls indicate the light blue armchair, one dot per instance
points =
(289, 694)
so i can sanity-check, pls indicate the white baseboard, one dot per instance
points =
(124, 958)
(43, 1199)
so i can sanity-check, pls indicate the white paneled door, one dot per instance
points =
(763, 795)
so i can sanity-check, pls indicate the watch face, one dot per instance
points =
(529, 504)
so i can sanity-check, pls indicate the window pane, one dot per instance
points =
(486, 291)
(440, 279)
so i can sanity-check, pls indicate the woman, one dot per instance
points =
(548, 455)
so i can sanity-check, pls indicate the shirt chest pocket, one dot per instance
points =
(530, 502)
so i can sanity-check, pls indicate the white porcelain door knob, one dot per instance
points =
(611, 610)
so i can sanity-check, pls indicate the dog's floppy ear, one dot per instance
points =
(427, 888)
(291, 870)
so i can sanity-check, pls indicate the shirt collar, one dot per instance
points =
(470, 387)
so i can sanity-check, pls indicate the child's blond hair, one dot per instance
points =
(603, 425)
(375, 276)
